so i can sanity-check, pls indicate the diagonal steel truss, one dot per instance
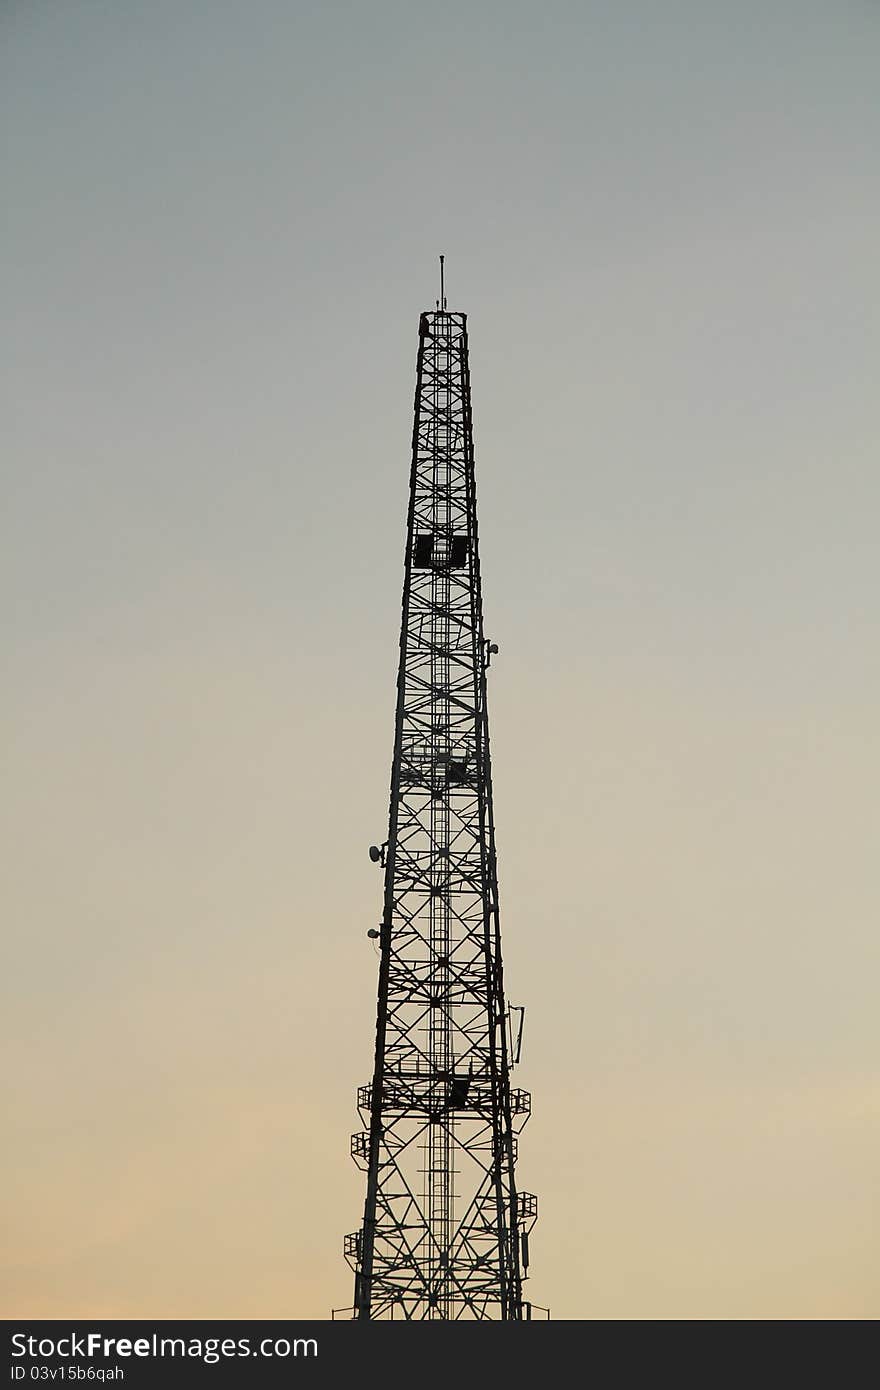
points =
(445, 1231)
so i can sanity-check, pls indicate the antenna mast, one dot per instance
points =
(445, 1227)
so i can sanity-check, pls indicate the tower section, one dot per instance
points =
(445, 1229)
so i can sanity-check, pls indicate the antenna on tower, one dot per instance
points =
(442, 288)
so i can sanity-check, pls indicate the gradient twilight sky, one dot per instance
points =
(220, 223)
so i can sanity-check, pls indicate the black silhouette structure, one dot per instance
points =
(445, 1233)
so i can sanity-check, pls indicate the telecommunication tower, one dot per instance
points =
(445, 1233)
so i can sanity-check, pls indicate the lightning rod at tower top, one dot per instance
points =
(445, 1229)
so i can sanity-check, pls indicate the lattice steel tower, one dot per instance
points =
(445, 1230)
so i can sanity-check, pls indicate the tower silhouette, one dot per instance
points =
(445, 1231)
